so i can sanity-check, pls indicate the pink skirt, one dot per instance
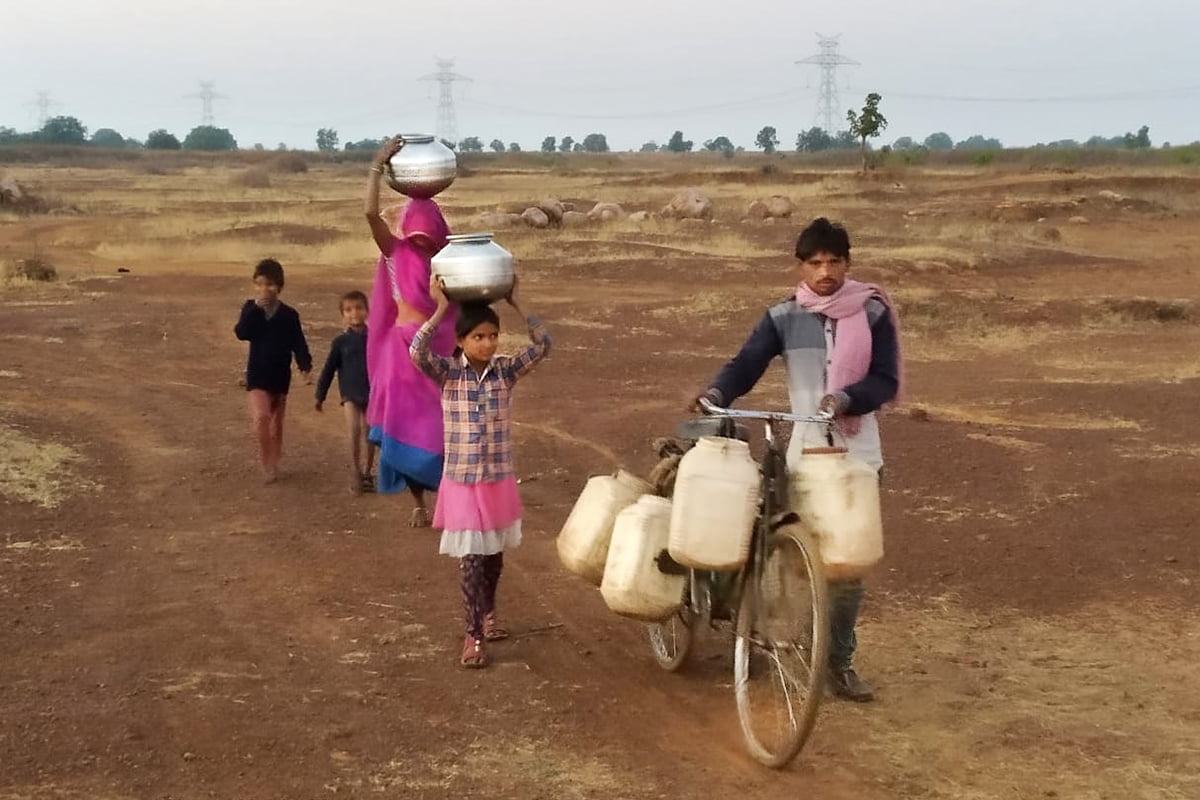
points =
(478, 518)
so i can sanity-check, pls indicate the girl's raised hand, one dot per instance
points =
(437, 290)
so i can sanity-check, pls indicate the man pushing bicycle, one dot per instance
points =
(839, 340)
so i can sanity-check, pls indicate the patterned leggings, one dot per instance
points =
(480, 577)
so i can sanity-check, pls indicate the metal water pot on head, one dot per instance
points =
(474, 268)
(423, 167)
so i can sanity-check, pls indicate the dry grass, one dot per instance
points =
(38, 472)
(1011, 707)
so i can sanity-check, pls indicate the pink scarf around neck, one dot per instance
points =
(851, 357)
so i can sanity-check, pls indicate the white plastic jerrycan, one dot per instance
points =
(715, 505)
(583, 541)
(634, 585)
(837, 498)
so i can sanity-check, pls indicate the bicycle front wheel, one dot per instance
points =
(782, 647)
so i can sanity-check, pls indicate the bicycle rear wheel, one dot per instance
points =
(782, 647)
(671, 639)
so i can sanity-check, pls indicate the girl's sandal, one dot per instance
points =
(419, 519)
(473, 655)
(493, 631)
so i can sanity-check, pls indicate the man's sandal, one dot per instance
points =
(419, 519)
(493, 631)
(473, 654)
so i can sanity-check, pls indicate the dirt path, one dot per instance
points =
(176, 629)
(202, 632)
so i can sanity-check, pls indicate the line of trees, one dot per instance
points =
(864, 125)
(70, 131)
(942, 141)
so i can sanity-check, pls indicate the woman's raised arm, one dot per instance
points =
(379, 228)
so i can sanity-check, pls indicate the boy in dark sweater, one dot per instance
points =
(348, 358)
(275, 336)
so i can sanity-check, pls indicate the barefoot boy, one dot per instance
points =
(348, 358)
(273, 330)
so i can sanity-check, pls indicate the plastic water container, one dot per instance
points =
(633, 584)
(583, 540)
(837, 498)
(715, 505)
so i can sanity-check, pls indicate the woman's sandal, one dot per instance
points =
(493, 631)
(473, 654)
(419, 519)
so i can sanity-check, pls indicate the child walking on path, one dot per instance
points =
(478, 505)
(273, 330)
(348, 359)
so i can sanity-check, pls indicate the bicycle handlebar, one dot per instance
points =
(713, 410)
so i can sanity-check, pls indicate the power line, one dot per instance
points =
(829, 59)
(744, 103)
(446, 77)
(1152, 94)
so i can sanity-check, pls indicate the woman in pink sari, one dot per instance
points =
(404, 414)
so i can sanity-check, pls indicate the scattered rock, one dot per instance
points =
(553, 210)
(497, 220)
(640, 216)
(11, 193)
(573, 219)
(769, 221)
(1079, 221)
(32, 269)
(689, 204)
(605, 212)
(535, 218)
(779, 207)
(14, 197)
(123, 269)
(1111, 196)
(757, 210)
(569, 207)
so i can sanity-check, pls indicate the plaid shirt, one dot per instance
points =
(477, 409)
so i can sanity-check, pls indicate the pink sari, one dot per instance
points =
(405, 410)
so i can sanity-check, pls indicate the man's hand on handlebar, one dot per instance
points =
(835, 404)
(711, 395)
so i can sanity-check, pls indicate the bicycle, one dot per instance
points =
(777, 604)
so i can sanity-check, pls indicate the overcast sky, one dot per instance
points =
(1020, 70)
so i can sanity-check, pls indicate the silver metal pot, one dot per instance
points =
(422, 167)
(474, 268)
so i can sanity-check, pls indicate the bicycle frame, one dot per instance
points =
(774, 492)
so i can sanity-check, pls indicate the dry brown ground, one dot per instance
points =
(171, 628)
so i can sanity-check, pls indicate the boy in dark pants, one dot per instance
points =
(273, 330)
(839, 342)
(348, 359)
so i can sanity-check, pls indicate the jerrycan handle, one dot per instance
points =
(830, 433)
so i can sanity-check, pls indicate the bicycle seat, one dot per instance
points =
(694, 429)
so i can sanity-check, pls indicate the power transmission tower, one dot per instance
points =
(829, 59)
(43, 102)
(446, 77)
(206, 96)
